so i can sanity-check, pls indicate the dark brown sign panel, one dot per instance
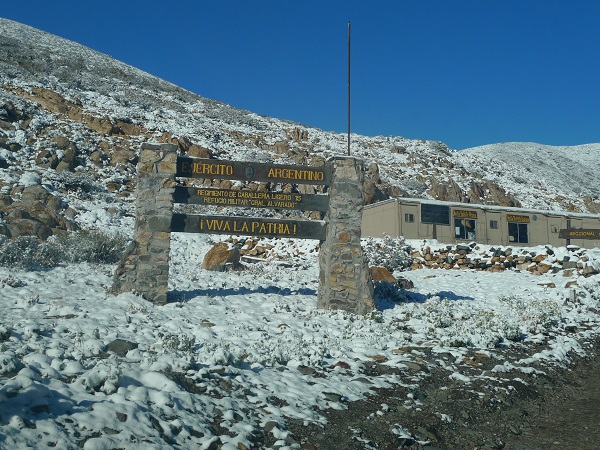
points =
(250, 199)
(576, 233)
(248, 226)
(250, 171)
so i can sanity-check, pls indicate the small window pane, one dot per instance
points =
(464, 229)
(409, 217)
(523, 233)
(494, 224)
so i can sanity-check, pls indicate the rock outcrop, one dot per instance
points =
(37, 212)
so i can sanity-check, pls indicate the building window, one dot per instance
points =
(464, 229)
(433, 213)
(518, 232)
(409, 217)
(494, 224)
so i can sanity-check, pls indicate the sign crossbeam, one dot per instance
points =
(577, 233)
(252, 226)
(250, 199)
(249, 171)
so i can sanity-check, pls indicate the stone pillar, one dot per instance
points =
(144, 268)
(344, 281)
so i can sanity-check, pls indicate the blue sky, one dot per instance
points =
(464, 72)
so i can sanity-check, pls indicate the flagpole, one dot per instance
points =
(348, 88)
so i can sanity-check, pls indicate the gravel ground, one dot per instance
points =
(554, 410)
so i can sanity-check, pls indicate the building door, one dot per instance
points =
(464, 229)
(518, 232)
(518, 228)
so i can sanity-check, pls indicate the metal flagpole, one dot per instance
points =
(348, 88)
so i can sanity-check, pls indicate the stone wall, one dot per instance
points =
(499, 259)
(145, 267)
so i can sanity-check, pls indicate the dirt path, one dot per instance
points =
(571, 420)
(559, 410)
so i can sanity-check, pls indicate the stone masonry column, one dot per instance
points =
(344, 280)
(144, 268)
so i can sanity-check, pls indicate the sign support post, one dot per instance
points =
(344, 280)
(144, 269)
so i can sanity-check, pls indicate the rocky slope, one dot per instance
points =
(72, 120)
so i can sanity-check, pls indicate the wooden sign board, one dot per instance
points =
(250, 199)
(464, 214)
(248, 226)
(579, 233)
(517, 218)
(250, 171)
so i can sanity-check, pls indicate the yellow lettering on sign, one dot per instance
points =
(296, 174)
(211, 193)
(582, 233)
(515, 218)
(215, 201)
(465, 214)
(214, 169)
(275, 228)
(247, 227)
(282, 204)
(215, 225)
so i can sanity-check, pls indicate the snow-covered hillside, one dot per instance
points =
(54, 87)
(567, 171)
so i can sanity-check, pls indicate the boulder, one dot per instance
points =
(405, 283)
(220, 258)
(69, 159)
(61, 142)
(381, 274)
(47, 158)
(543, 268)
(39, 213)
(588, 271)
(5, 200)
(197, 151)
(28, 227)
(37, 193)
(487, 192)
(97, 157)
(9, 114)
(123, 156)
(121, 347)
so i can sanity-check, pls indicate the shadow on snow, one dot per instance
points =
(383, 304)
(183, 296)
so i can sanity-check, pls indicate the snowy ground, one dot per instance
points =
(238, 353)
